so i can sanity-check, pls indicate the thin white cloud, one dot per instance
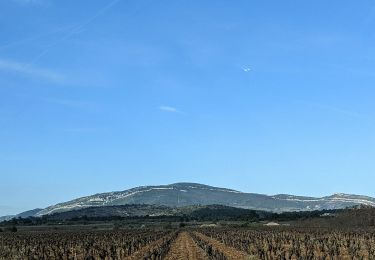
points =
(34, 37)
(246, 69)
(168, 109)
(28, 70)
(77, 29)
(332, 109)
(71, 103)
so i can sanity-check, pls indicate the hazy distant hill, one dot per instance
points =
(185, 194)
(143, 210)
(29, 213)
(130, 210)
(7, 217)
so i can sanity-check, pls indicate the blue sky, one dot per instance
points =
(260, 96)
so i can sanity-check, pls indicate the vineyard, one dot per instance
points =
(199, 243)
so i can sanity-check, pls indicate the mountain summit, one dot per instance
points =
(185, 194)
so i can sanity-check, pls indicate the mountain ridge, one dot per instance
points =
(186, 193)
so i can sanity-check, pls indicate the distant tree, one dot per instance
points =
(168, 225)
(181, 225)
(116, 226)
(245, 224)
(13, 229)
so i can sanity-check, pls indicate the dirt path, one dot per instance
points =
(219, 250)
(155, 250)
(185, 248)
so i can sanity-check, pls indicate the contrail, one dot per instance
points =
(32, 38)
(75, 30)
(331, 108)
(71, 32)
(67, 36)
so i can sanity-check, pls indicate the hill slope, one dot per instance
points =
(185, 194)
(137, 210)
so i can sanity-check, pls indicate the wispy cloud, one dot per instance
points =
(76, 30)
(332, 108)
(246, 69)
(34, 37)
(72, 103)
(28, 70)
(170, 109)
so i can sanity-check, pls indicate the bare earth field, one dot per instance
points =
(185, 248)
(190, 243)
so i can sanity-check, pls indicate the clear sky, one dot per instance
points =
(260, 96)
